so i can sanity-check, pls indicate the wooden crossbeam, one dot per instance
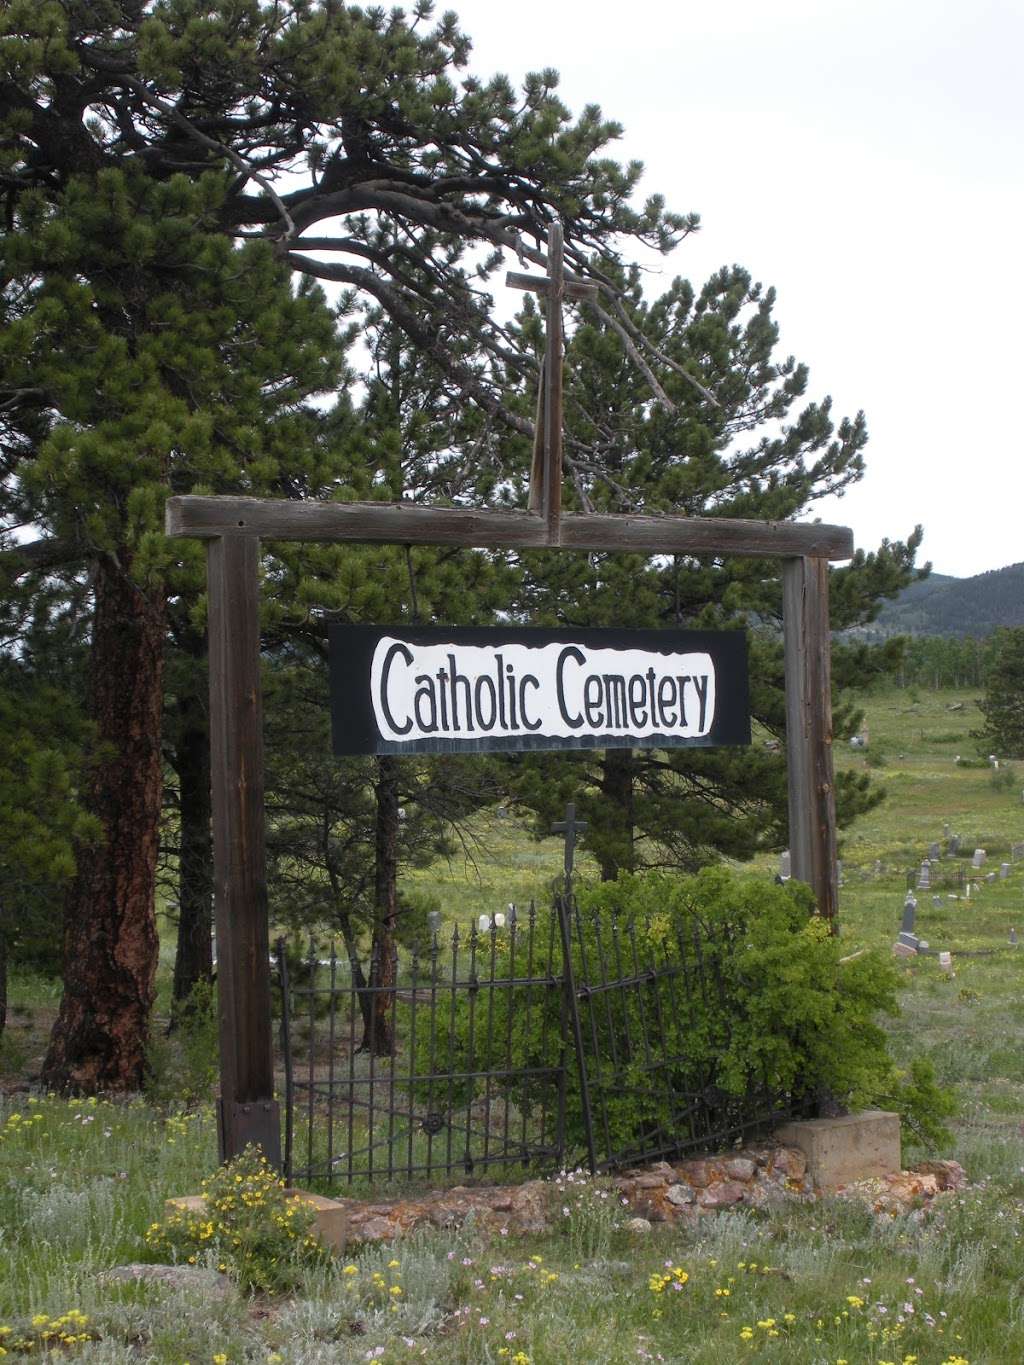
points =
(539, 284)
(402, 523)
(546, 469)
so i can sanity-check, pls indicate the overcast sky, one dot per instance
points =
(864, 158)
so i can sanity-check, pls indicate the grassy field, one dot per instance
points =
(815, 1284)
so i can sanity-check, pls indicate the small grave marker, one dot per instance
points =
(924, 876)
(1004, 871)
(979, 858)
(933, 852)
(785, 865)
(954, 845)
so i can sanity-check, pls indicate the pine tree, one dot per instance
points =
(353, 824)
(718, 425)
(151, 339)
(1003, 702)
(42, 819)
(168, 360)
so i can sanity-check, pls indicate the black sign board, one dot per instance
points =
(438, 689)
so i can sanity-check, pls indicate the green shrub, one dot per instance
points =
(760, 1003)
(251, 1228)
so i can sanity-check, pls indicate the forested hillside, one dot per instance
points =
(941, 605)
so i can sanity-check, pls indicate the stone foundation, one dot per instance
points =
(684, 1191)
(761, 1176)
(845, 1149)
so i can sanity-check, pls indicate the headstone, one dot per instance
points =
(1004, 871)
(933, 852)
(979, 858)
(945, 831)
(907, 942)
(434, 921)
(878, 867)
(1016, 852)
(924, 876)
(946, 963)
(954, 845)
(990, 876)
(1013, 937)
(483, 924)
(499, 920)
(785, 863)
(936, 901)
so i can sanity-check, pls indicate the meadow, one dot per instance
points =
(819, 1283)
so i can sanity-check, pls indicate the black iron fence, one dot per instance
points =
(557, 1038)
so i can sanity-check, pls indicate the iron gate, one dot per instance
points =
(543, 1040)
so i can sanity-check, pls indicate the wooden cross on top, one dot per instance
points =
(546, 472)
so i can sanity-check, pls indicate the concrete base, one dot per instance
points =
(330, 1221)
(841, 1150)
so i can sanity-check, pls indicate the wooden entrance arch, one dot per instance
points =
(233, 527)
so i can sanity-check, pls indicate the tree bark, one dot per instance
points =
(110, 941)
(194, 958)
(613, 847)
(379, 1036)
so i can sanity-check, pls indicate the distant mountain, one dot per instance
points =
(942, 605)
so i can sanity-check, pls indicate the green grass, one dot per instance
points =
(79, 1186)
(810, 1283)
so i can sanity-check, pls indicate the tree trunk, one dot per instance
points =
(614, 826)
(379, 1037)
(194, 959)
(110, 941)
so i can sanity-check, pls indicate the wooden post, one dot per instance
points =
(247, 1109)
(812, 804)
